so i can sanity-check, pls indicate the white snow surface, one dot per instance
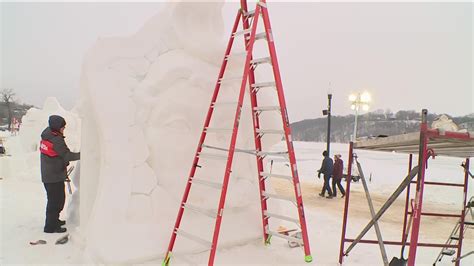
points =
(23, 222)
(143, 103)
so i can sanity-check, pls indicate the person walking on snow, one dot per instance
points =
(337, 176)
(326, 170)
(55, 157)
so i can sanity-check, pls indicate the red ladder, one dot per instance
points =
(249, 23)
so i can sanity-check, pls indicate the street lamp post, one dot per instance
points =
(359, 100)
(328, 137)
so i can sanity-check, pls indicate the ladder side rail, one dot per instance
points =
(201, 141)
(228, 168)
(256, 127)
(422, 160)
(463, 213)
(463, 256)
(346, 202)
(448, 241)
(287, 129)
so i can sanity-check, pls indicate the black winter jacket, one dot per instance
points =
(53, 168)
(326, 166)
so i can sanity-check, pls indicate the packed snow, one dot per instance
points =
(137, 124)
(24, 201)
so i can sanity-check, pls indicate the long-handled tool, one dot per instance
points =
(68, 180)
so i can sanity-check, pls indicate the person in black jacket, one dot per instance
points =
(55, 157)
(326, 170)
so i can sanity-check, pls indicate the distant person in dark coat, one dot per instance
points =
(326, 170)
(337, 175)
(55, 157)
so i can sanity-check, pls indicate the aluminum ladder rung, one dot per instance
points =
(263, 60)
(212, 156)
(212, 184)
(281, 217)
(242, 32)
(448, 252)
(270, 131)
(215, 104)
(267, 108)
(264, 85)
(207, 212)
(259, 36)
(223, 80)
(265, 175)
(276, 196)
(193, 237)
(226, 149)
(289, 238)
(216, 129)
(272, 153)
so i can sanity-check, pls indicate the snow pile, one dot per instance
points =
(144, 101)
(36, 120)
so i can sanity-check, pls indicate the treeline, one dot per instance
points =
(370, 124)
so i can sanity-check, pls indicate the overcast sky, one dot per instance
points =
(408, 55)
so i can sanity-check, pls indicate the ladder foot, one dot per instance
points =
(268, 240)
(166, 261)
(308, 258)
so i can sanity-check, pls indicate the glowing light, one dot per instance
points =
(365, 97)
(352, 97)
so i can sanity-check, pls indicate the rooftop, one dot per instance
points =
(444, 143)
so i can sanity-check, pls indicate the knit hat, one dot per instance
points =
(56, 122)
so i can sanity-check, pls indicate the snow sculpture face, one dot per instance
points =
(144, 101)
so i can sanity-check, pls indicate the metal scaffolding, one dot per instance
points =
(429, 143)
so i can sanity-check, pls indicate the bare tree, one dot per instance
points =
(7, 96)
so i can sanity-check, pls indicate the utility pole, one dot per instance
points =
(329, 125)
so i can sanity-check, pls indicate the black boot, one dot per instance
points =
(61, 222)
(57, 230)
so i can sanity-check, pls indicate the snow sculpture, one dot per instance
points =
(444, 123)
(144, 100)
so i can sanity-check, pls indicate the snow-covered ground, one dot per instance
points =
(23, 202)
(137, 148)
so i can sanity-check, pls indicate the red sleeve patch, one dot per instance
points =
(46, 148)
